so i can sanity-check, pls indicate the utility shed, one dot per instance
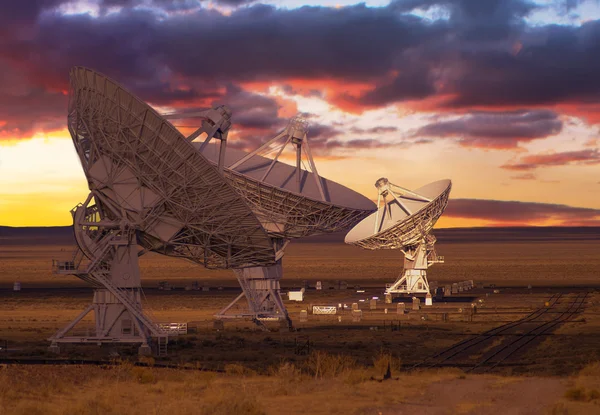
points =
(296, 295)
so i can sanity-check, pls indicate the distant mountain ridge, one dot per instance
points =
(63, 235)
(58, 235)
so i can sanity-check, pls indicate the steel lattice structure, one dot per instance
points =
(301, 215)
(139, 162)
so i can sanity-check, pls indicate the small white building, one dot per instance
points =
(296, 295)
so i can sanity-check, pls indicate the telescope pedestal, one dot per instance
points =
(116, 306)
(411, 281)
(113, 322)
(260, 286)
(417, 259)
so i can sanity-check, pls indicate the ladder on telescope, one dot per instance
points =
(162, 342)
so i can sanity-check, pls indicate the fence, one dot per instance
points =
(174, 328)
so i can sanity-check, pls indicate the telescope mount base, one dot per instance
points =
(116, 306)
(260, 286)
(412, 281)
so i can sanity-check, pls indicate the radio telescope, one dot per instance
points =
(289, 201)
(153, 189)
(404, 222)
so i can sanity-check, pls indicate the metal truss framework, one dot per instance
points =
(107, 258)
(175, 197)
(261, 288)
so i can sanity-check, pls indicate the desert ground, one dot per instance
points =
(242, 369)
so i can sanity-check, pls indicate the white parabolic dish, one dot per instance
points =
(401, 229)
(284, 212)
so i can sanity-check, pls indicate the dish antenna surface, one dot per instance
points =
(153, 189)
(404, 221)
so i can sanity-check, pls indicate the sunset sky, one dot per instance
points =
(501, 96)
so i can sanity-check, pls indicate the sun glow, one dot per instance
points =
(40, 181)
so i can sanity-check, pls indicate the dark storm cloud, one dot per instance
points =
(482, 55)
(166, 5)
(496, 129)
(531, 162)
(26, 109)
(488, 57)
(251, 110)
(412, 84)
(322, 133)
(258, 42)
(555, 64)
(472, 19)
(265, 43)
(156, 56)
(359, 144)
(374, 130)
(235, 3)
(519, 212)
(19, 12)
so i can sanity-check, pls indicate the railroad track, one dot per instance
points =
(499, 353)
(506, 351)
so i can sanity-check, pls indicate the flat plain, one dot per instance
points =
(516, 272)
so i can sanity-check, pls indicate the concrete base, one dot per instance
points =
(400, 308)
(54, 348)
(261, 288)
(303, 316)
(145, 350)
(285, 324)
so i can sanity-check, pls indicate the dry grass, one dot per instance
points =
(127, 389)
(383, 360)
(583, 397)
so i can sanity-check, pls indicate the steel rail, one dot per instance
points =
(517, 344)
(468, 343)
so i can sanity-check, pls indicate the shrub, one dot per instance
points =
(147, 360)
(93, 406)
(286, 371)
(593, 395)
(238, 370)
(592, 369)
(324, 365)
(558, 409)
(575, 394)
(231, 403)
(356, 376)
(143, 375)
(383, 359)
